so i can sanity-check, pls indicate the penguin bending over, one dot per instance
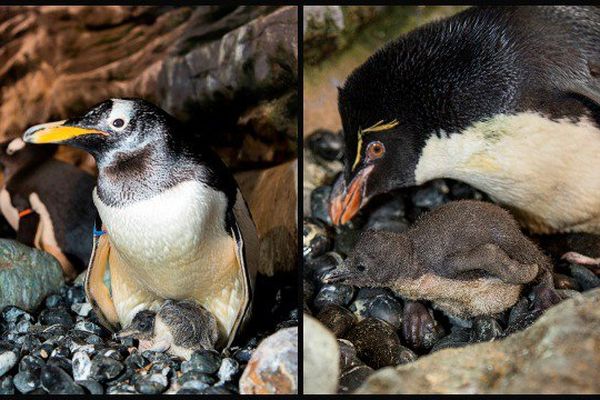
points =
(48, 202)
(506, 99)
(172, 221)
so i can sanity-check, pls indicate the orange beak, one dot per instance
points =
(344, 202)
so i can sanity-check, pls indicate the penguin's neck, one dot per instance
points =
(544, 169)
(125, 177)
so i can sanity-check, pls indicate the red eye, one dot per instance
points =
(375, 150)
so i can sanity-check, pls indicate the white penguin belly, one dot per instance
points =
(175, 246)
(547, 171)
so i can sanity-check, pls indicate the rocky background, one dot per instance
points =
(229, 73)
(353, 340)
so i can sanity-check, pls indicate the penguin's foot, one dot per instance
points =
(578, 258)
(544, 297)
(417, 324)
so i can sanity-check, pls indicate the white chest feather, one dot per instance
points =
(548, 171)
(175, 242)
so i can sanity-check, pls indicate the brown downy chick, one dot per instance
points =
(179, 328)
(468, 258)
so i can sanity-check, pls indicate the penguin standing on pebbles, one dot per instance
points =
(173, 223)
(506, 99)
(48, 202)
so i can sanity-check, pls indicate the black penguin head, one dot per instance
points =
(378, 259)
(435, 81)
(141, 327)
(113, 125)
(16, 154)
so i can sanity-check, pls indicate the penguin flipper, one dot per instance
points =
(246, 238)
(96, 291)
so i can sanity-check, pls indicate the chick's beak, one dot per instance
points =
(57, 132)
(345, 202)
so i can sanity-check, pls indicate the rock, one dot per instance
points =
(56, 381)
(27, 381)
(337, 319)
(321, 355)
(6, 385)
(354, 377)
(58, 316)
(200, 380)
(316, 240)
(431, 195)
(319, 204)
(92, 387)
(8, 359)
(378, 344)
(338, 294)
(105, 369)
(228, 369)
(585, 278)
(348, 357)
(27, 275)
(205, 361)
(565, 282)
(320, 266)
(386, 308)
(486, 329)
(82, 366)
(557, 354)
(316, 172)
(273, 368)
(326, 144)
(459, 337)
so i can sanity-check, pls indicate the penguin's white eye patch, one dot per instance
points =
(14, 146)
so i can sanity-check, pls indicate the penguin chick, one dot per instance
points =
(48, 202)
(506, 99)
(468, 258)
(179, 328)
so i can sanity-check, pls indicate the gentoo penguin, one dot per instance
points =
(506, 99)
(179, 328)
(48, 202)
(469, 258)
(172, 221)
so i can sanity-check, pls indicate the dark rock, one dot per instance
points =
(521, 316)
(360, 304)
(202, 378)
(326, 144)
(56, 381)
(351, 379)
(152, 384)
(55, 301)
(217, 390)
(460, 190)
(586, 278)
(389, 217)
(316, 239)
(338, 294)
(27, 275)
(319, 203)
(378, 345)
(345, 239)
(31, 364)
(88, 326)
(104, 369)
(121, 388)
(308, 290)
(459, 337)
(337, 319)
(6, 385)
(432, 195)
(62, 363)
(136, 361)
(56, 316)
(75, 294)
(91, 387)
(12, 314)
(348, 357)
(27, 381)
(486, 329)
(386, 308)
(206, 361)
(320, 266)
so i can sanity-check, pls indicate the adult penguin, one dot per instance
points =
(173, 223)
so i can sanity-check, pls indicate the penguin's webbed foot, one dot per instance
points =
(417, 325)
(577, 258)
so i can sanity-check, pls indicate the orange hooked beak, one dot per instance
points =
(345, 202)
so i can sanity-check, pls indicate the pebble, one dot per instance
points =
(88, 326)
(486, 329)
(351, 379)
(584, 277)
(56, 381)
(6, 385)
(8, 359)
(378, 344)
(104, 369)
(56, 316)
(337, 319)
(316, 239)
(11, 314)
(27, 381)
(457, 338)
(345, 239)
(386, 308)
(54, 301)
(333, 294)
(323, 264)
(228, 369)
(348, 357)
(326, 144)
(206, 361)
(82, 309)
(92, 387)
(82, 366)
(75, 294)
(319, 203)
(432, 195)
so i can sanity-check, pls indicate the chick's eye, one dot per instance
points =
(118, 123)
(361, 268)
(375, 150)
